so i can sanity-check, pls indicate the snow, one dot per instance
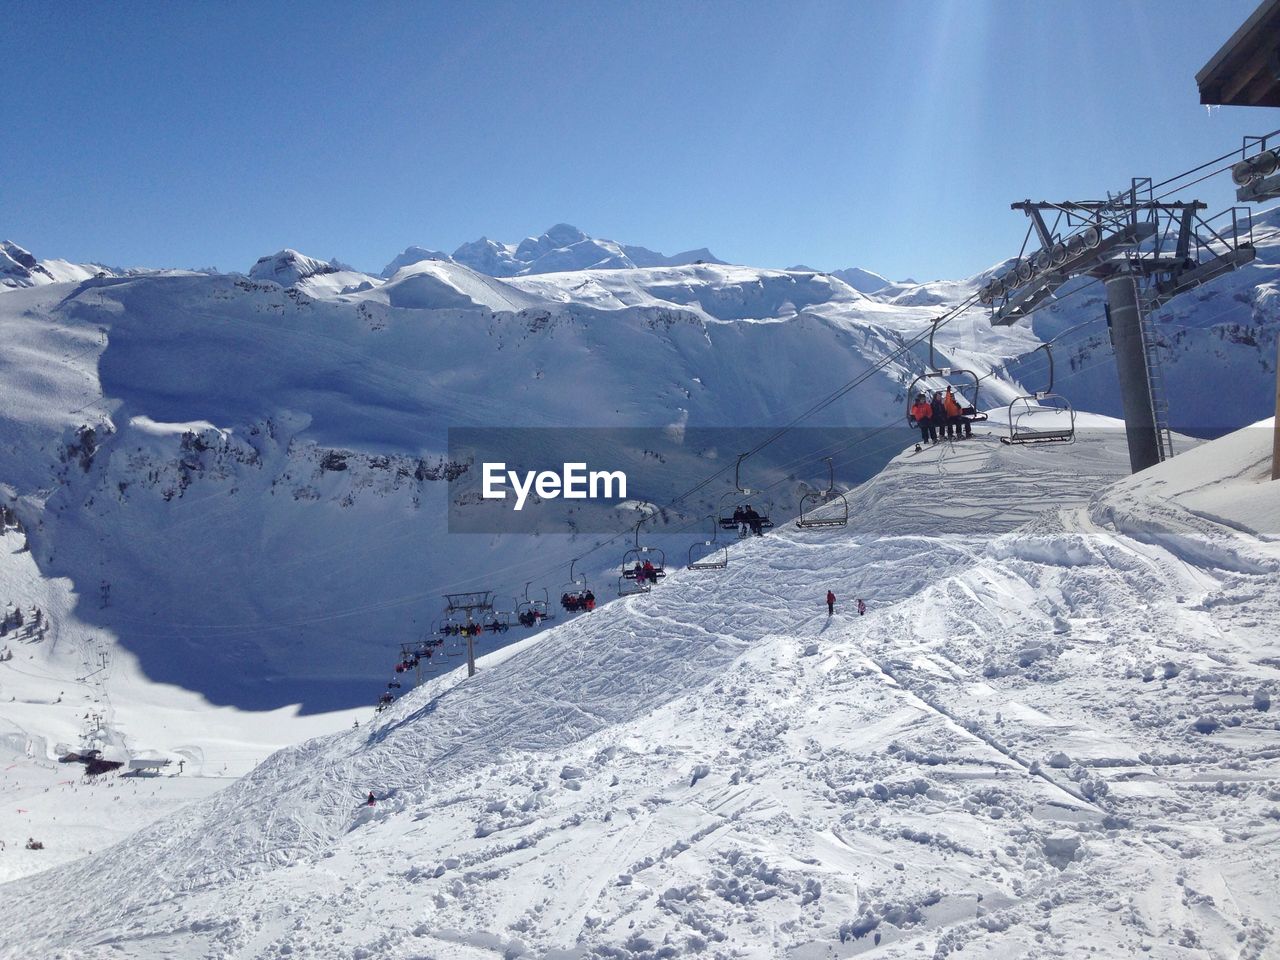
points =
(1051, 731)
(864, 281)
(565, 247)
(411, 255)
(674, 775)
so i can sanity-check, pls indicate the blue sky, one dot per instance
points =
(888, 135)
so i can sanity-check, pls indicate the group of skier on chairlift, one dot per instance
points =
(942, 418)
(573, 602)
(645, 572)
(746, 518)
(531, 617)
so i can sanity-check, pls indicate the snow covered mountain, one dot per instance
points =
(197, 449)
(864, 281)
(18, 268)
(1051, 733)
(227, 495)
(562, 247)
(410, 256)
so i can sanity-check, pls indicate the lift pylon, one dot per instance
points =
(469, 603)
(1146, 252)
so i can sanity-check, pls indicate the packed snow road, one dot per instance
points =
(1050, 735)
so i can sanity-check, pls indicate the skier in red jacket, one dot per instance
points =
(831, 603)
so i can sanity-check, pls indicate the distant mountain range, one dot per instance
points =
(561, 248)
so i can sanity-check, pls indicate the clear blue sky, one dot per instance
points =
(889, 135)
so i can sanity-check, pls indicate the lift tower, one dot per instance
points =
(1145, 252)
(477, 600)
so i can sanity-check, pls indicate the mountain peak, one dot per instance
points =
(287, 267)
(410, 256)
(563, 247)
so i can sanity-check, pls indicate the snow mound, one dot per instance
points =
(864, 281)
(442, 285)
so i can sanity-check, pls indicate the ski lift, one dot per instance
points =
(532, 612)
(736, 513)
(455, 646)
(499, 621)
(450, 625)
(820, 498)
(966, 393)
(635, 577)
(1042, 417)
(716, 558)
(574, 594)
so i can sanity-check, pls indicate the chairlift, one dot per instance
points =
(530, 613)
(449, 625)
(965, 392)
(821, 499)
(1042, 417)
(716, 558)
(634, 578)
(574, 594)
(499, 621)
(455, 646)
(736, 511)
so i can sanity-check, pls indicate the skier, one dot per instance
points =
(940, 423)
(862, 607)
(954, 421)
(372, 799)
(922, 417)
(831, 603)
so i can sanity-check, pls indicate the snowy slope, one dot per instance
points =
(864, 281)
(236, 489)
(234, 486)
(1051, 733)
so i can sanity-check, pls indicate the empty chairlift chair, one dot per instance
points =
(1042, 417)
(824, 508)
(711, 554)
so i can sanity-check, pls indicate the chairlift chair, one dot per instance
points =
(717, 558)
(732, 505)
(499, 621)
(629, 583)
(823, 498)
(541, 609)
(966, 392)
(574, 588)
(1042, 417)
